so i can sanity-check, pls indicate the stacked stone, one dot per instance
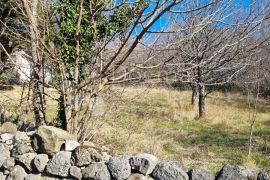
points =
(51, 153)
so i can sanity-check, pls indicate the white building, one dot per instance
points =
(24, 67)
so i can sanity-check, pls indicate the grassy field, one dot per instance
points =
(162, 122)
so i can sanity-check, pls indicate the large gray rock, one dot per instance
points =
(4, 153)
(169, 170)
(119, 167)
(33, 177)
(59, 165)
(49, 139)
(263, 176)
(70, 145)
(75, 172)
(26, 160)
(229, 172)
(139, 177)
(143, 163)
(97, 171)
(40, 162)
(18, 173)
(85, 155)
(200, 174)
(8, 127)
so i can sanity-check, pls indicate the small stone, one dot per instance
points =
(105, 156)
(139, 177)
(21, 137)
(18, 173)
(229, 172)
(70, 145)
(143, 163)
(20, 149)
(263, 176)
(26, 160)
(97, 171)
(169, 170)
(6, 136)
(85, 155)
(119, 167)
(2, 176)
(9, 163)
(75, 172)
(4, 153)
(40, 162)
(200, 174)
(8, 127)
(6, 172)
(33, 177)
(9, 142)
(59, 165)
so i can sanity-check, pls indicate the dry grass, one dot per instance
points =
(162, 122)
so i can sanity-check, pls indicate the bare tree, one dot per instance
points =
(90, 54)
(212, 51)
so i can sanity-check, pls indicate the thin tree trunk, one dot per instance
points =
(253, 119)
(201, 100)
(38, 101)
(194, 93)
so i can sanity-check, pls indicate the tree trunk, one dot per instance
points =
(201, 100)
(38, 100)
(194, 93)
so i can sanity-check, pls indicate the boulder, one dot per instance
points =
(6, 137)
(40, 162)
(85, 155)
(26, 160)
(97, 171)
(49, 139)
(263, 176)
(75, 172)
(5, 153)
(33, 177)
(139, 177)
(119, 167)
(143, 163)
(18, 173)
(200, 174)
(169, 170)
(230, 172)
(8, 127)
(59, 164)
(70, 145)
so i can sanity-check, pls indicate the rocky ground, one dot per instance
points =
(52, 153)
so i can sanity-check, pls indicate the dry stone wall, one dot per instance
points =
(49, 153)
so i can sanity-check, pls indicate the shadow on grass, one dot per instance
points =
(213, 136)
